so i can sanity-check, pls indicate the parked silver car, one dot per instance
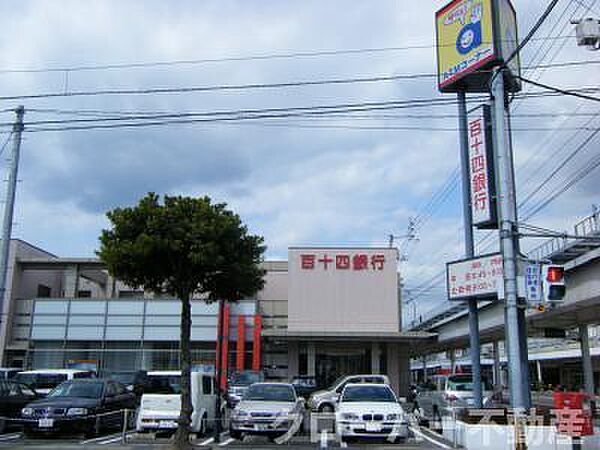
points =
(270, 409)
(444, 394)
(325, 400)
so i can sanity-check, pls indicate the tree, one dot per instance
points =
(183, 247)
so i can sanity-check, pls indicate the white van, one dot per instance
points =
(44, 380)
(161, 402)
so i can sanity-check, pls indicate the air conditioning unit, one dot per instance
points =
(587, 32)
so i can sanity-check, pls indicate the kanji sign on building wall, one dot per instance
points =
(479, 277)
(481, 168)
(343, 289)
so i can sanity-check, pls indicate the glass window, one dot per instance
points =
(164, 307)
(270, 392)
(14, 390)
(111, 390)
(206, 385)
(163, 384)
(41, 380)
(50, 307)
(130, 293)
(44, 332)
(86, 320)
(44, 291)
(124, 320)
(85, 332)
(77, 389)
(124, 333)
(26, 390)
(83, 375)
(135, 308)
(161, 333)
(368, 393)
(163, 320)
(88, 307)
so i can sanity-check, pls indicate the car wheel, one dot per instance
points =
(29, 433)
(203, 426)
(235, 434)
(94, 429)
(326, 408)
(399, 440)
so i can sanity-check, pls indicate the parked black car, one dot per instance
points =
(80, 406)
(13, 397)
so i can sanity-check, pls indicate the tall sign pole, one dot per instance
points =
(474, 341)
(10, 203)
(507, 209)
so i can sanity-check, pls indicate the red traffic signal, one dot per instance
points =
(555, 274)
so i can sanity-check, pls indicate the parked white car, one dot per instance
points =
(44, 380)
(325, 400)
(161, 402)
(370, 411)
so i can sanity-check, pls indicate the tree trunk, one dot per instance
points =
(182, 436)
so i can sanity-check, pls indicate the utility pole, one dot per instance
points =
(507, 210)
(10, 203)
(474, 341)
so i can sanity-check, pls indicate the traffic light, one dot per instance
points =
(553, 283)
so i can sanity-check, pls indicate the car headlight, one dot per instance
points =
(27, 411)
(392, 417)
(349, 416)
(77, 412)
(240, 413)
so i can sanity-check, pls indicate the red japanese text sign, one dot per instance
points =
(481, 168)
(479, 277)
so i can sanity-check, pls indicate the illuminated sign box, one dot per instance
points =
(473, 37)
(481, 168)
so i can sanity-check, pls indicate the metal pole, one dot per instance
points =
(497, 376)
(586, 359)
(10, 203)
(218, 366)
(526, 385)
(474, 341)
(507, 220)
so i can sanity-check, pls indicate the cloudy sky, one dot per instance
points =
(346, 180)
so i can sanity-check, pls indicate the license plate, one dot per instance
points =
(46, 423)
(260, 426)
(373, 427)
(167, 424)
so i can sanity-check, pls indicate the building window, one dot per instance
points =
(84, 294)
(130, 294)
(43, 291)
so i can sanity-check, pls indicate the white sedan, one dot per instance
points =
(370, 411)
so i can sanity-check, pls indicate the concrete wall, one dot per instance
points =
(325, 297)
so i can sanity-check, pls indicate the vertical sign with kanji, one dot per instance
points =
(481, 168)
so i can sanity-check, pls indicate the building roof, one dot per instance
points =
(383, 336)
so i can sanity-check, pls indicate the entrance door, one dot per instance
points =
(334, 363)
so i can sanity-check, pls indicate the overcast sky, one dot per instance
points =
(297, 181)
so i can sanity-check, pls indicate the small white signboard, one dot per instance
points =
(479, 277)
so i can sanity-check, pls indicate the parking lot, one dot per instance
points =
(419, 439)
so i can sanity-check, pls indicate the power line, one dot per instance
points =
(285, 84)
(271, 56)
(533, 30)
(560, 91)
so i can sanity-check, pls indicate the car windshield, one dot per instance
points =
(368, 393)
(41, 380)
(270, 393)
(336, 382)
(463, 383)
(246, 378)
(125, 378)
(163, 384)
(75, 389)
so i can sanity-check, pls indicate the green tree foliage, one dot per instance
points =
(184, 247)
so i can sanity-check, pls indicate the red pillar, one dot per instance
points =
(256, 343)
(225, 348)
(241, 342)
(218, 341)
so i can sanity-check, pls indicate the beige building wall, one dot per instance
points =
(331, 289)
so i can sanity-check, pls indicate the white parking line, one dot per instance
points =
(430, 439)
(344, 444)
(101, 438)
(207, 441)
(10, 437)
(227, 442)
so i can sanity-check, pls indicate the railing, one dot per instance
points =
(589, 226)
